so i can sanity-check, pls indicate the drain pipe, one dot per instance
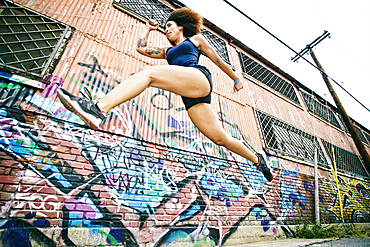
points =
(317, 209)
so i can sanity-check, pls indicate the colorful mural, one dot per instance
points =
(65, 184)
(354, 198)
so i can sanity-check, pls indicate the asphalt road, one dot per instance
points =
(345, 242)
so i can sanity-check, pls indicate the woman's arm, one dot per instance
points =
(142, 43)
(207, 50)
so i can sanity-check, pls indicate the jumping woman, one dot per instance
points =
(183, 76)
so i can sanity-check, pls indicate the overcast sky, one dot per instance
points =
(345, 56)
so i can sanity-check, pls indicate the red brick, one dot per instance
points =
(10, 188)
(5, 196)
(67, 156)
(10, 163)
(9, 179)
(47, 190)
(75, 151)
(52, 141)
(68, 144)
(134, 224)
(104, 195)
(60, 149)
(81, 159)
(164, 217)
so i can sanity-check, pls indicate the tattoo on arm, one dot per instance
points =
(142, 43)
(152, 50)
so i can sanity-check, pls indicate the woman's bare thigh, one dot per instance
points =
(184, 81)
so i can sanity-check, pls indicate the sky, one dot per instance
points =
(345, 56)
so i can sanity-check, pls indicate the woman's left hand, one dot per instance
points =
(238, 86)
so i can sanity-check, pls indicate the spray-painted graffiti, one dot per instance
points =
(354, 198)
(119, 189)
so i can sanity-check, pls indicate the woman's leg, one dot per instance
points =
(205, 119)
(184, 81)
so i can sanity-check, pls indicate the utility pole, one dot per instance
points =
(356, 138)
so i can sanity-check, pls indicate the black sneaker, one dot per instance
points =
(84, 108)
(263, 167)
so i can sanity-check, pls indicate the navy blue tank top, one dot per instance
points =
(184, 54)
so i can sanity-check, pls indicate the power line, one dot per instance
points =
(297, 54)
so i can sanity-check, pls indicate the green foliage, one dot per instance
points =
(307, 230)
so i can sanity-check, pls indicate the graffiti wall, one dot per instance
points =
(65, 184)
(148, 177)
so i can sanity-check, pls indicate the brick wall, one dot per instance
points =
(64, 184)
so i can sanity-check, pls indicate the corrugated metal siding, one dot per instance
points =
(239, 120)
(109, 35)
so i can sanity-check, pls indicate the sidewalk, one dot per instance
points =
(291, 242)
(296, 242)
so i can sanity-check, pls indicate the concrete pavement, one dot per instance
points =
(296, 242)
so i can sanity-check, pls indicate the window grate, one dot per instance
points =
(29, 41)
(218, 44)
(150, 9)
(345, 161)
(154, 9)
(284, 138)
(362, 137)
(319, 109)
(267, 77)
(367, 137)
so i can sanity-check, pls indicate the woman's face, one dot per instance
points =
(173, 31)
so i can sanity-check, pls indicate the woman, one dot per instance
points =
(184, 76)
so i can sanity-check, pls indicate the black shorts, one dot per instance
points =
(190, 102)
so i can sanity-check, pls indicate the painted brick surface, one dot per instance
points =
(129, 192)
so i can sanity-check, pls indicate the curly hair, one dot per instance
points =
(187, 18)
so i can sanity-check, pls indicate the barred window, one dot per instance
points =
(150, 9)
(367, 137)
(345, 161)
(267, 77)
(343, 123)
(156, 10)
(218, 44)
(319, 109)
(29, 41)
(362, 136)
(288, 140)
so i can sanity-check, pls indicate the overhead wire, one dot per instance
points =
(286, 45)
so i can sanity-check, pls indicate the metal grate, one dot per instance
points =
(319, 109)
(360, 133)
(343, 123)
(218, 44)
(267, 77)
(29, 41)
(150, 9)
(367, 136)
(345, 161)
(154, 9)
(284, 138)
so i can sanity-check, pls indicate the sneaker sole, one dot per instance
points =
(267, 172)
(76, 110)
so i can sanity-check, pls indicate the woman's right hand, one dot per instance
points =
(152, 24)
